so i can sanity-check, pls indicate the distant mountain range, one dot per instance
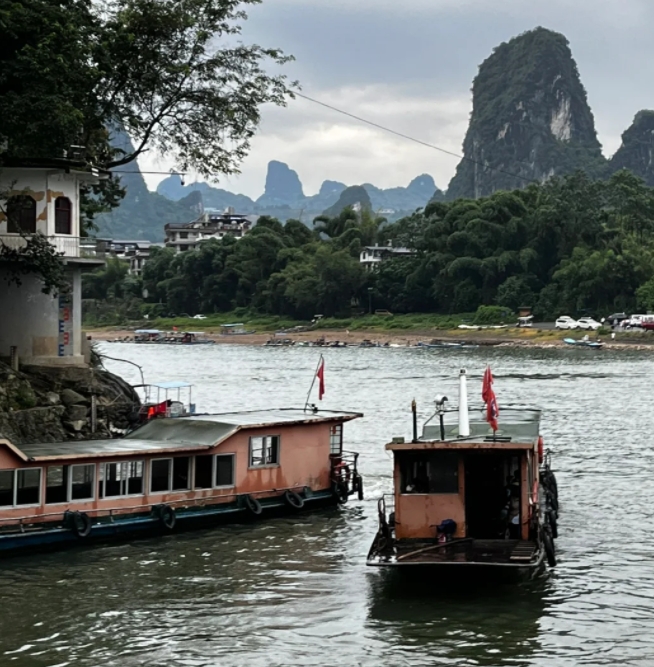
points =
(142, 214)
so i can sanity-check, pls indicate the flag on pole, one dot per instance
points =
(320, 374)
(488, 396)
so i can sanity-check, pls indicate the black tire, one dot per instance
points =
(553, 524)
(548, 543)
(341, 492)
(167, 516)
(358, 480)
(253, 505)
(294, 500)
(80, 523)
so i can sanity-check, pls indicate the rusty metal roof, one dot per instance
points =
(193, 433)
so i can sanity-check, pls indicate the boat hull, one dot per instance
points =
(148, 524)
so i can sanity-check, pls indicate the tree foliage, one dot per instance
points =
(571, 246)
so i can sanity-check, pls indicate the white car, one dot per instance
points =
(566, 322)
(199, 317)
(588, 323)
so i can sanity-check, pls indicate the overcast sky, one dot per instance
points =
(409, 65)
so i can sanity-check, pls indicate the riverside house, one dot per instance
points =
(43, 196)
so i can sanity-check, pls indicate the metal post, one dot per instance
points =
(13, 358)
(414, 410)
(94, 413)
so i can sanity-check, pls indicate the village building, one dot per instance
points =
(43, 196)
(210, 225)
(372, 256)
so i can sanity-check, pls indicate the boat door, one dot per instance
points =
(492, 494)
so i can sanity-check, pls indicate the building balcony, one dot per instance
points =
(69, 247)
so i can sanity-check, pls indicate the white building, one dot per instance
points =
(43, 196)
(210, 225)
(373, 255)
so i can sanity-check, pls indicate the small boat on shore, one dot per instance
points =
(469, 497)
(173, 474)
(596, 345)
(447, 345)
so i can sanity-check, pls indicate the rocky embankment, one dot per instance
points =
(52, 404)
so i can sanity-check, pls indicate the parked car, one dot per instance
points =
(635, 321)
(199, 317)
(566, 322)
(588, 323)
(616, 318)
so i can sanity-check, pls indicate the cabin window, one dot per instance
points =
(336, 439)
(204, 472)
(429, 472)
(264, 451)
(28, 486)
(20, 487)
(170, 474)
(121, 479)
(63, 216)
(21, 215)
(225, 470)
(82, 482)
(56, 484)
(6, 488)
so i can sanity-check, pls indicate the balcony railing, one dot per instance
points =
(68, 246)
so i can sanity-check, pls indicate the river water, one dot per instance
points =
(297, 591)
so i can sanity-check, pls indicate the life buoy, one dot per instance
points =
(253, 505)
(548, 543)
(295, 500)
(167, 516)
(359, 486)
(79, 522)
(341, 492)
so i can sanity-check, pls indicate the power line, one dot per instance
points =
(410, 138)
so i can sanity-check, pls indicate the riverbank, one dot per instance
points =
(509, 337)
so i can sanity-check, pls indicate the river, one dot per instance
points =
(297, 591)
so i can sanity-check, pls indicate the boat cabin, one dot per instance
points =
(479, 484)
(465, 494)
(173, 471)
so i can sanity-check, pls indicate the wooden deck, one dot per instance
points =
(463, 551)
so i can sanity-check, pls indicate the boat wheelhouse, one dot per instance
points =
(465, 495)
(172, 474)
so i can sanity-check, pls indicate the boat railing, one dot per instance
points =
(111, 512)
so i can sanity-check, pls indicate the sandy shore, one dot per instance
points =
(506, 337)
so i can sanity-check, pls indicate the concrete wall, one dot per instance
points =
(31, 322)
(44, 186)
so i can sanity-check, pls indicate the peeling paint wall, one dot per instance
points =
(44, 186)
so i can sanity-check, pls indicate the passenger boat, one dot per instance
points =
(467, 497)
(172, 474)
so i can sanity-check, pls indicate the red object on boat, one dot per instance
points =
(488, 396)
(321, 380)
(540, 449)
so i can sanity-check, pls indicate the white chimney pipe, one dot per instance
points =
(464, 420)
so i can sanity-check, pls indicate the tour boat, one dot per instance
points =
(467, 496)
(172, 474)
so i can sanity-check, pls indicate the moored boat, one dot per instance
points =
(583, 342)
(172, 474)
(466, 496)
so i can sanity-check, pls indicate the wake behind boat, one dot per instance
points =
(469, 496)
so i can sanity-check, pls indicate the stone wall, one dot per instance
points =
(53, 404)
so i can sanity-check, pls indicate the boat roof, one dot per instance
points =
(519, 428)
(148, 331)
(181, 434)
(237, 324)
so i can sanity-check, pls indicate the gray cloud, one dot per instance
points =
(410, 65)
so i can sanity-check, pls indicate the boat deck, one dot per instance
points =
(462, 551)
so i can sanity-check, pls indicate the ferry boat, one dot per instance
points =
(174, 473)
(466, 496)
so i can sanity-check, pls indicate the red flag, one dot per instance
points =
(488, 396)
(321, 380)
(174, 328)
